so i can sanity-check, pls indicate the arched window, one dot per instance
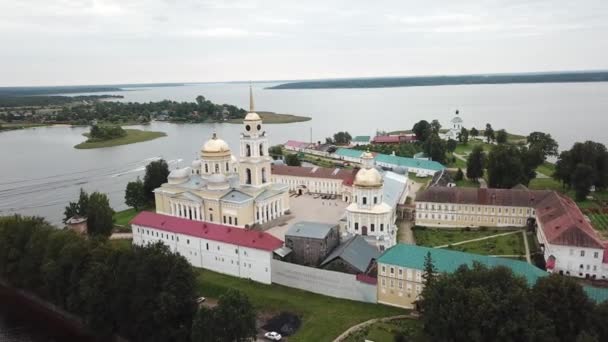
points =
(206, 168)
(227, 167)
(248, 176)
(217, 168)
(263, 175)
(261, 149)
(248, 147)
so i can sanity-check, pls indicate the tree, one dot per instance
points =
(463, 136)
(423, 130)
(235, 317)
(99, 215)
(564, 302)
(430, 271)
(276, 150)
(451, 145)
(342, 138)
(79, 208)
(589, 153)
(474, 132)
(134, 195)
(476, 163)
(435, 148)
(156, 175)
(435, 126)
(543, 142)
(501, 136)
(493, 296)
(582, 179)
(205, 327)
(489, 133)
(459, 175)
(292, 160)
(506, 167)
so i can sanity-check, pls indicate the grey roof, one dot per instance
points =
(356, 252)
(189, 196)
(394, 188)
(282, 251)
(315, 230)
(236, 196)
(268, 193)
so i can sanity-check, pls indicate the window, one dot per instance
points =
(392, 270)
(236, 251)
(236, 221)
(356, 225)
(375, 199)
(206, 168)
(392, 283)
(227, 167)
(383, 282)
(230, 220)
(207, 245)
(383, 269)
(211, 217)
(594, 267)
(224, 218)
(364, 200)
(401, 284)
(373, 228)
(187, 241)
(582, 253)
(595, 255)
(217, 168)
(381, 227)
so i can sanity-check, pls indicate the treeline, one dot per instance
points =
(492, 304)
(386, 82)
(142, 294)
(39, 101)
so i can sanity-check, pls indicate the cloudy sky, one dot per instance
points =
(58, 42)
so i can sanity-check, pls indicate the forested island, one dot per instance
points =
(114, 135)
(421, 81)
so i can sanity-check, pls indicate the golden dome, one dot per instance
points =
(368, 178)
(252, 117)
(215, 145)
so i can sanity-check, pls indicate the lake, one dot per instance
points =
(42, 172)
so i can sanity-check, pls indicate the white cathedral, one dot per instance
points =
(220, 188)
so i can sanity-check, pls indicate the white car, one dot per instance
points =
(273, 336)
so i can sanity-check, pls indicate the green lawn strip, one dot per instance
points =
(512, 244)
(121, 243)
(445, 236)
(123, 217)
(133, 136)
(323, 318)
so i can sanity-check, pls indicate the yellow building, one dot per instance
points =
(469, 207)
(220, 188)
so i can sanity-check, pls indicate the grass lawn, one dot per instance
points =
(121, 243)
(439, 237)
(503, 245)
(546, 169)
(133, 136)
(274, 118)
(457, 163)
(387, 331)
(422, 180)
(464, 150)
(545, 184)
(600, 222)
(323, 318)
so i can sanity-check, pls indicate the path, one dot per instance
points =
(479, 239)
(482, 182)
(541, 175)
(405, 233)
(372, 321)
(121, 236)
(528, 259)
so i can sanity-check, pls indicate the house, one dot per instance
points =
(320, 180)
(219, 248)
(348, 154)
(420, 167)
(353, 256)
(401, 267)
(361, 140)
(311, 242)
(394, 139)
(296, 146)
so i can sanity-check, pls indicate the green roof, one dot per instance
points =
(362, 138)
(412, 256)
(598, 294)
(348, 152)
(409, 162)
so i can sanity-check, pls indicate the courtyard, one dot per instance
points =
(308, 208)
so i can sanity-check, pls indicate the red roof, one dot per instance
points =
(386, 139)
(347, 176)
(564, 224)
(296, 144)
(208, 230)
(364, 278)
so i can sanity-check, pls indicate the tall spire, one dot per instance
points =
(251, 110)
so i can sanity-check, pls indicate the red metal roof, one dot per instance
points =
(208, 230)
(296, 144)
(347, 176)
(386, 139)
(364, 278)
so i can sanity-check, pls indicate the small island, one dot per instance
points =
(108, 136)
(274, 118)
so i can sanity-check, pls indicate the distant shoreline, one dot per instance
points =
(425, 81)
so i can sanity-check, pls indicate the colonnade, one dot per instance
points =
(269, 211)
(190, 211)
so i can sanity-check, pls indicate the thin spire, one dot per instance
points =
(251, 110)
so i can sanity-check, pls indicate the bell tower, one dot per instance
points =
(254, 163)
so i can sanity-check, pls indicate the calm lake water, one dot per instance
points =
(41, 171)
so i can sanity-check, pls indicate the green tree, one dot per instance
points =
(435, 148)
(501, 136)
(474, 132)
(463, 136)
(156, 175)
(292, 160)
(599, 319)
(235, 317)
(435, 126)
(342, 138)
(134, 195)
(506, 167)
(276, 150)
(543, 142)
(459, 175)
(489, 133)
(564, 302)
(451, 145)
(423, 130)
(430, 271)
(589, 153)
(476, 163)
(78, 208)
(205, 327)
(582, 179)
(99, 215)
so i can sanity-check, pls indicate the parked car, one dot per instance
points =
(273, 336)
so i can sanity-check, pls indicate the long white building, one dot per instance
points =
(317, 180)
(229, 250)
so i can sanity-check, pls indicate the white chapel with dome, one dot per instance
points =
(221, 188)
(369, 215)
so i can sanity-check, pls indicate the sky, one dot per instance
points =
(71, 42)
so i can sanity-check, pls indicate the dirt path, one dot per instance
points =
(480, 239)
(121, 236)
